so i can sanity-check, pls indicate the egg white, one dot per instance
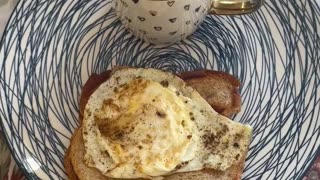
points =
(190, 137)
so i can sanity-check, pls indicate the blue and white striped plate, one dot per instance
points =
(50, 48)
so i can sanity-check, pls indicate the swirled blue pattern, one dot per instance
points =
(50, 48)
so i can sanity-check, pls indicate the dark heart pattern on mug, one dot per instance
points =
(170, 3)
(158, 28)
(187, 7)
(197, 9)
(153, 13)
(173, 33)
(135, 1)
(172, 20)
(141, 18)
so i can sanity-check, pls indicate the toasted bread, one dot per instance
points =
(218, 88)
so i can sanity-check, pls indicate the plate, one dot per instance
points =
(50, 48)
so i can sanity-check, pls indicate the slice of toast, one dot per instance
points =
(218, 88)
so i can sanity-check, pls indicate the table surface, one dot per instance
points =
(8, 167)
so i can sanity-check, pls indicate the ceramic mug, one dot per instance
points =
(170, 21)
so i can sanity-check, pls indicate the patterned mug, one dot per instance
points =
(170, 21)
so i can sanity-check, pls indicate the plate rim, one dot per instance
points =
(30, 174)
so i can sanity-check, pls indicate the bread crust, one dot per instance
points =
(211, 85)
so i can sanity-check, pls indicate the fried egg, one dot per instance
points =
(145, 123)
